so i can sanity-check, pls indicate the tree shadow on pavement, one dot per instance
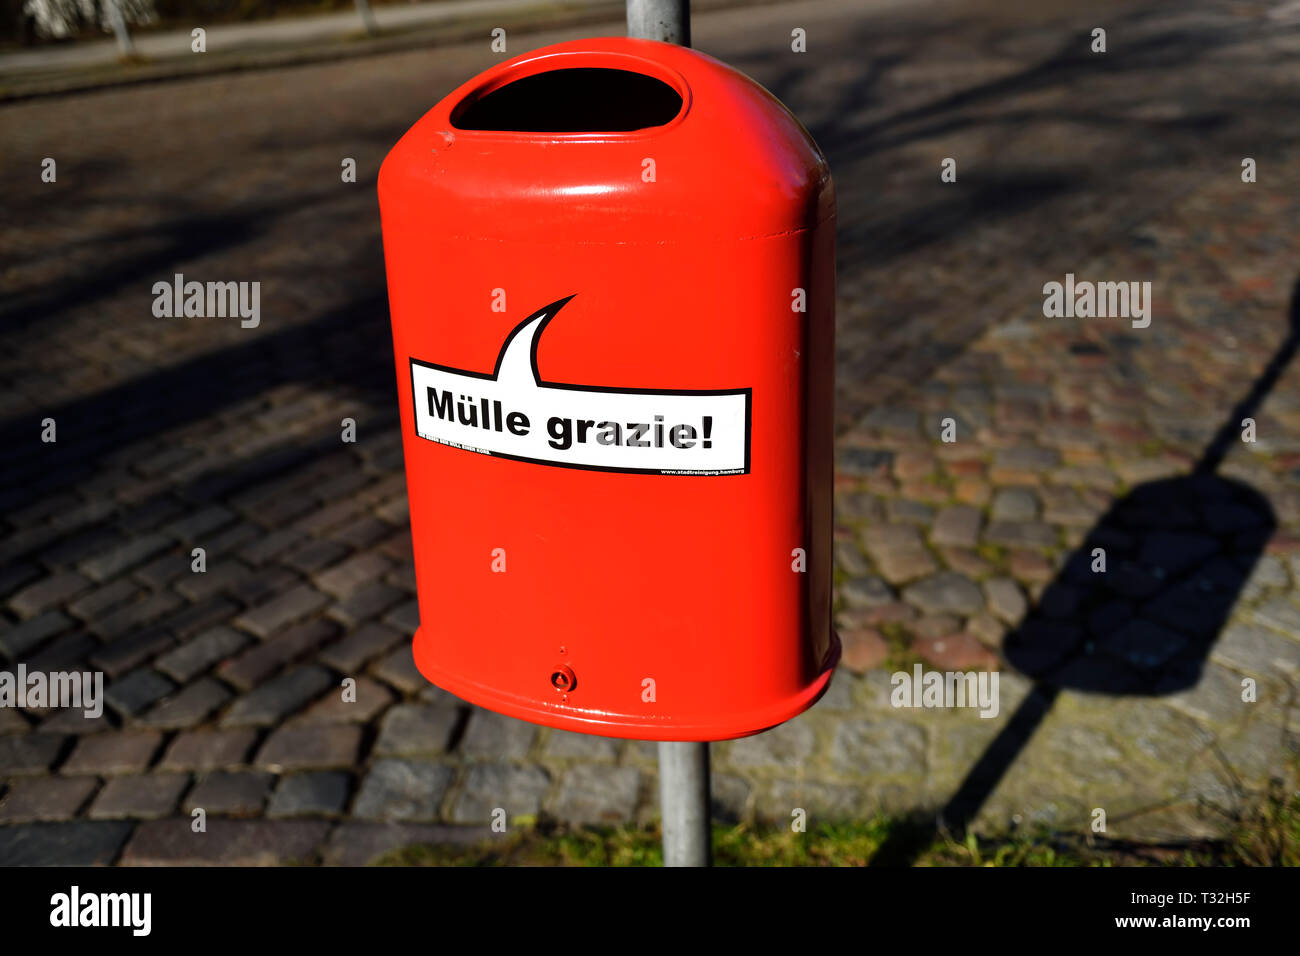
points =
(1136, 608)
(863, 148)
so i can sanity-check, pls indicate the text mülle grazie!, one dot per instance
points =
(562, 432)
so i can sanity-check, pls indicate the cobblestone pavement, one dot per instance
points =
(1070, 434)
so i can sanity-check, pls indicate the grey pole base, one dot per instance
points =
(666, 20)
(684, 802)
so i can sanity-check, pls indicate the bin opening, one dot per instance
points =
(573, 100)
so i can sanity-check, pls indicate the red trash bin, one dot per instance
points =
(611, 276)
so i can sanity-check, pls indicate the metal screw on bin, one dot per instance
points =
(683, 765)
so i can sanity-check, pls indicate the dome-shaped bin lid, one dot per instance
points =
(607, 140)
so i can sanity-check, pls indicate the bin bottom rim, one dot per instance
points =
(742, 725)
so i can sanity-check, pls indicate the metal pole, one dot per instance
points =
(683, 766)
(118, 22)
(684, 802)
(666, 20)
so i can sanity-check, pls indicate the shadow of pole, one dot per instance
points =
(1175, 555)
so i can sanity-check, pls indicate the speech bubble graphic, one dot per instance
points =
(512, 413)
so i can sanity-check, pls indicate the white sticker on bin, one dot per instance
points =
(512, 413)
